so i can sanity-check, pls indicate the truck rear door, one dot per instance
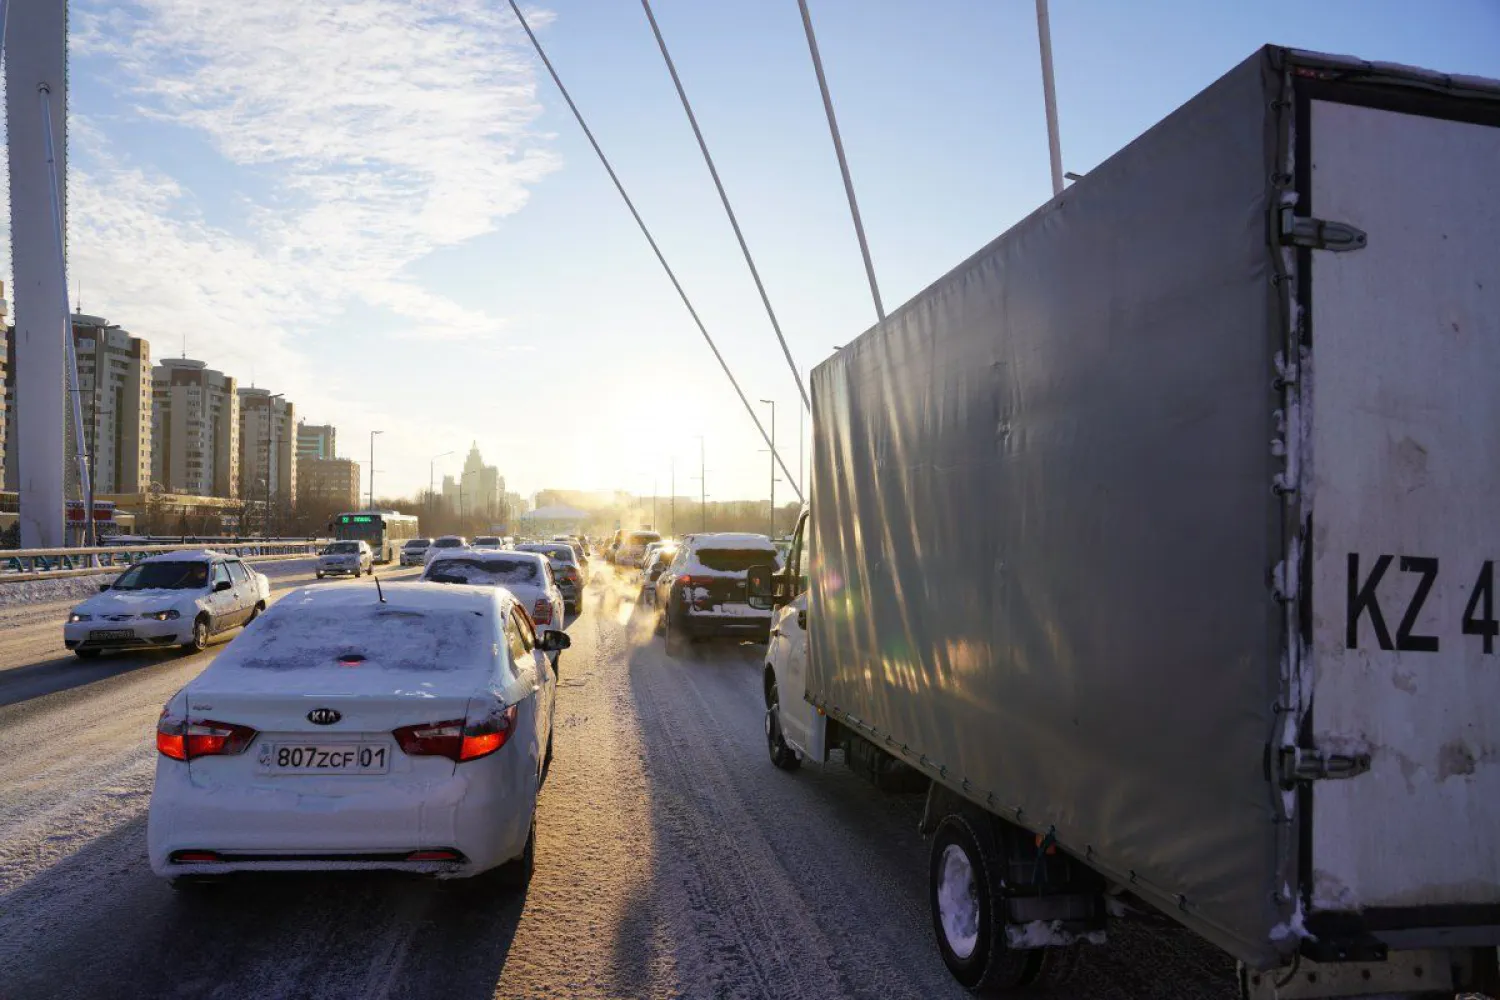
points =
(1404, 492)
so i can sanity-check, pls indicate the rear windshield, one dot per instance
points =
(486, 540)
(643, 538)
(448, 543)
(307, 638)
(485, 572)
(561, 553)
(417, 543)
(734, 560)
(164, 576)
(342, 548)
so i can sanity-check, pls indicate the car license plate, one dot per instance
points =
(112, 633)
(325, 758)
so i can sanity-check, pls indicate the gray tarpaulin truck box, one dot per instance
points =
(1049, 540)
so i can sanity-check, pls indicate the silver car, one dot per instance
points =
(348, 557)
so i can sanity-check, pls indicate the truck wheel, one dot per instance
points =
(782, 755)
(968, 902)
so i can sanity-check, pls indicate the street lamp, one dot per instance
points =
(772, 404)
(372, 468)
(703, 481)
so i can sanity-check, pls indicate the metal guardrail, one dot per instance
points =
(52, 564)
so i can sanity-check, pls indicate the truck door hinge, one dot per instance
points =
(1320, 234)
(1302, 764)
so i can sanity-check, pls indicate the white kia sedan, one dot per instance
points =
(173, 599)
(527, 575)
(349, 730)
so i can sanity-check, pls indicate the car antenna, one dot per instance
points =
(377, 587)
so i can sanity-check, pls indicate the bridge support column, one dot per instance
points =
(36, 56)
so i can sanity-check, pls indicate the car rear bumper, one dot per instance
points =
(337, 569)
(707, 625)
(483, 811)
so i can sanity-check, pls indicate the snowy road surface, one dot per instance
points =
(673, 860)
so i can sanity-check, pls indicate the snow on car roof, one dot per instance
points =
(731, 540)
(188, 555)
(491, 555)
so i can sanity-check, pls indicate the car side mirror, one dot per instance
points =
(554, 641)
(222, 585)
(103, 587)
(765, 588)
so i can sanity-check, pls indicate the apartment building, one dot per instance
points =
(268, 447)
(115, 396)
(195, 429)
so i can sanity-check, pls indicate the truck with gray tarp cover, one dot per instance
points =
(1159, 539)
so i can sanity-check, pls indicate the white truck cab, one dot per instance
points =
(794, 728)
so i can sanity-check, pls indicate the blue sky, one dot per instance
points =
(383, 208)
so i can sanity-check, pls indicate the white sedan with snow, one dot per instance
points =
(173, 599)
(349, 730)
(527, 575)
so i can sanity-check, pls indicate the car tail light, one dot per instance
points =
(442, 854)
(194, 857)
(458, 739)
(187, 739)
(542, 613)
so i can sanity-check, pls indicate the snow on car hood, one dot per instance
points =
(135, 601)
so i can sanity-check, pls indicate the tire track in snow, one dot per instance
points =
(734, 880)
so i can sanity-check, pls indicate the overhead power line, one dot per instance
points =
(646, 232)
(723, 197)
(838, 148)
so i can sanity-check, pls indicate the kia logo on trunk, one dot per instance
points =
(324, 716)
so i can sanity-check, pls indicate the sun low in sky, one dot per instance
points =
(383, 209)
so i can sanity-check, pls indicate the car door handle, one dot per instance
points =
(802, 620)
(776, 632)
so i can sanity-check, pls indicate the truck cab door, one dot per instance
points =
(790, 660)
(788, 654)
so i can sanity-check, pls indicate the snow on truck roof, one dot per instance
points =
(731, 540)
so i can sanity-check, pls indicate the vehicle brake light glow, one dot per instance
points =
(458, 739)
(186, 739)
(436, 855)
(194, 857)
(542, 613)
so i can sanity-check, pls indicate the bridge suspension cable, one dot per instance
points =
(646, 232)
(838, 148)
(724, 198)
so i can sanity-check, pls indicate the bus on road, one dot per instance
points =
(385, 530)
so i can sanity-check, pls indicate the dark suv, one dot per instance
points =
(702, 593)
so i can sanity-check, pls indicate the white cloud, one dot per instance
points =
(374, 132)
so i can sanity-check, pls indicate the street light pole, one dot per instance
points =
(703, 482)
(372, 467)
(674, 496)
(772, 404)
